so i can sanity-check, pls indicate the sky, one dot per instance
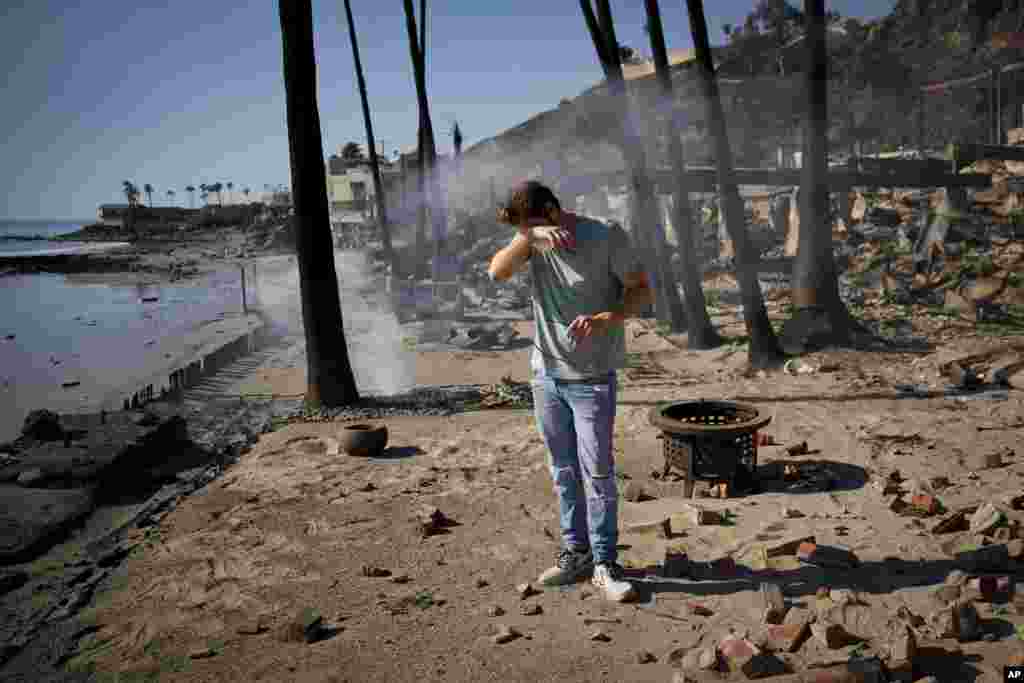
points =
(192, 92)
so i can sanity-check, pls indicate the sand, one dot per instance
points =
(295, 524)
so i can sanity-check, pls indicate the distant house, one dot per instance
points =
(350, 189)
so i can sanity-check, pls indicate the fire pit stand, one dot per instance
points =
(710, 440)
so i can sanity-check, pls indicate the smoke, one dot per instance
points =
(381, 363)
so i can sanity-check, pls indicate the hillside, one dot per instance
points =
(877, 70)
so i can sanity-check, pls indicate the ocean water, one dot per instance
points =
(11, 228)
(57, 328)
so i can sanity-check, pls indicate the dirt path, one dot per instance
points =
(294, 525)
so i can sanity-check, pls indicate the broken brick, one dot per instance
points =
(929, 505)
(736, 652)
(789, 547)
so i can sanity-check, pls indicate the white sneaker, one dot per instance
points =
(608, 579)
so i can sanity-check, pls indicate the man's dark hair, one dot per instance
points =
(528, 200)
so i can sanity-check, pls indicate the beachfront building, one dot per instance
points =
(351, 193)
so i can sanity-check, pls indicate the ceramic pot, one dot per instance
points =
(364, 440)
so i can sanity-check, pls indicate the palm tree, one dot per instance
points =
(378, 183)
(216, 188)
(820, 317)
(170, 196)
(352, 152)
(204, 192)
(246, 192)
(428, 155)
(457, 139)
(192, 196)
(701, 334)
(764, 345)
(330, 381)
(132, 194)
(230, 186)
(643, 197)
(149, 192)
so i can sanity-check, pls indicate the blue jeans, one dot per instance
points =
(576, 422)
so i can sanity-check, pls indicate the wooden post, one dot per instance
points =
(245, 305)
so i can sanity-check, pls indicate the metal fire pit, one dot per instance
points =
(710, 441)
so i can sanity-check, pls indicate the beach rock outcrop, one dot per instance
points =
(32, 519)
(43, 425)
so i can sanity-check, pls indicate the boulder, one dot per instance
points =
(32, 520)
(43, 425)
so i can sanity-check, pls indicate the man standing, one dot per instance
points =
(586, 280)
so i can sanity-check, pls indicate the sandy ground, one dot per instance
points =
(295, 524)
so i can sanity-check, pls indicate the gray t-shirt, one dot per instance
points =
(584, 281)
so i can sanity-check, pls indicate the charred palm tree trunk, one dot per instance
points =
(701, 334)
(764, 346)
(378, 182)
(329, 373)
(643, 198)
(429, 178)
(820, 317)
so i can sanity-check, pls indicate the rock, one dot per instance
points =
(495, 611)
(1015, 548)
(31, 478)
(827, 556)
(531, 610)
(505, 634)
(401, 578)
(791, 513)
(788, 547)
(645, 657)
(12, 580)
(32, 520)
(772, 604)
(954, 523)
(600, 636)
(305, 627)
(1002, 534)
(525, 590)
(43, 425)
(943, 622)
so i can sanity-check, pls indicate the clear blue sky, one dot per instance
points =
(192, 92)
